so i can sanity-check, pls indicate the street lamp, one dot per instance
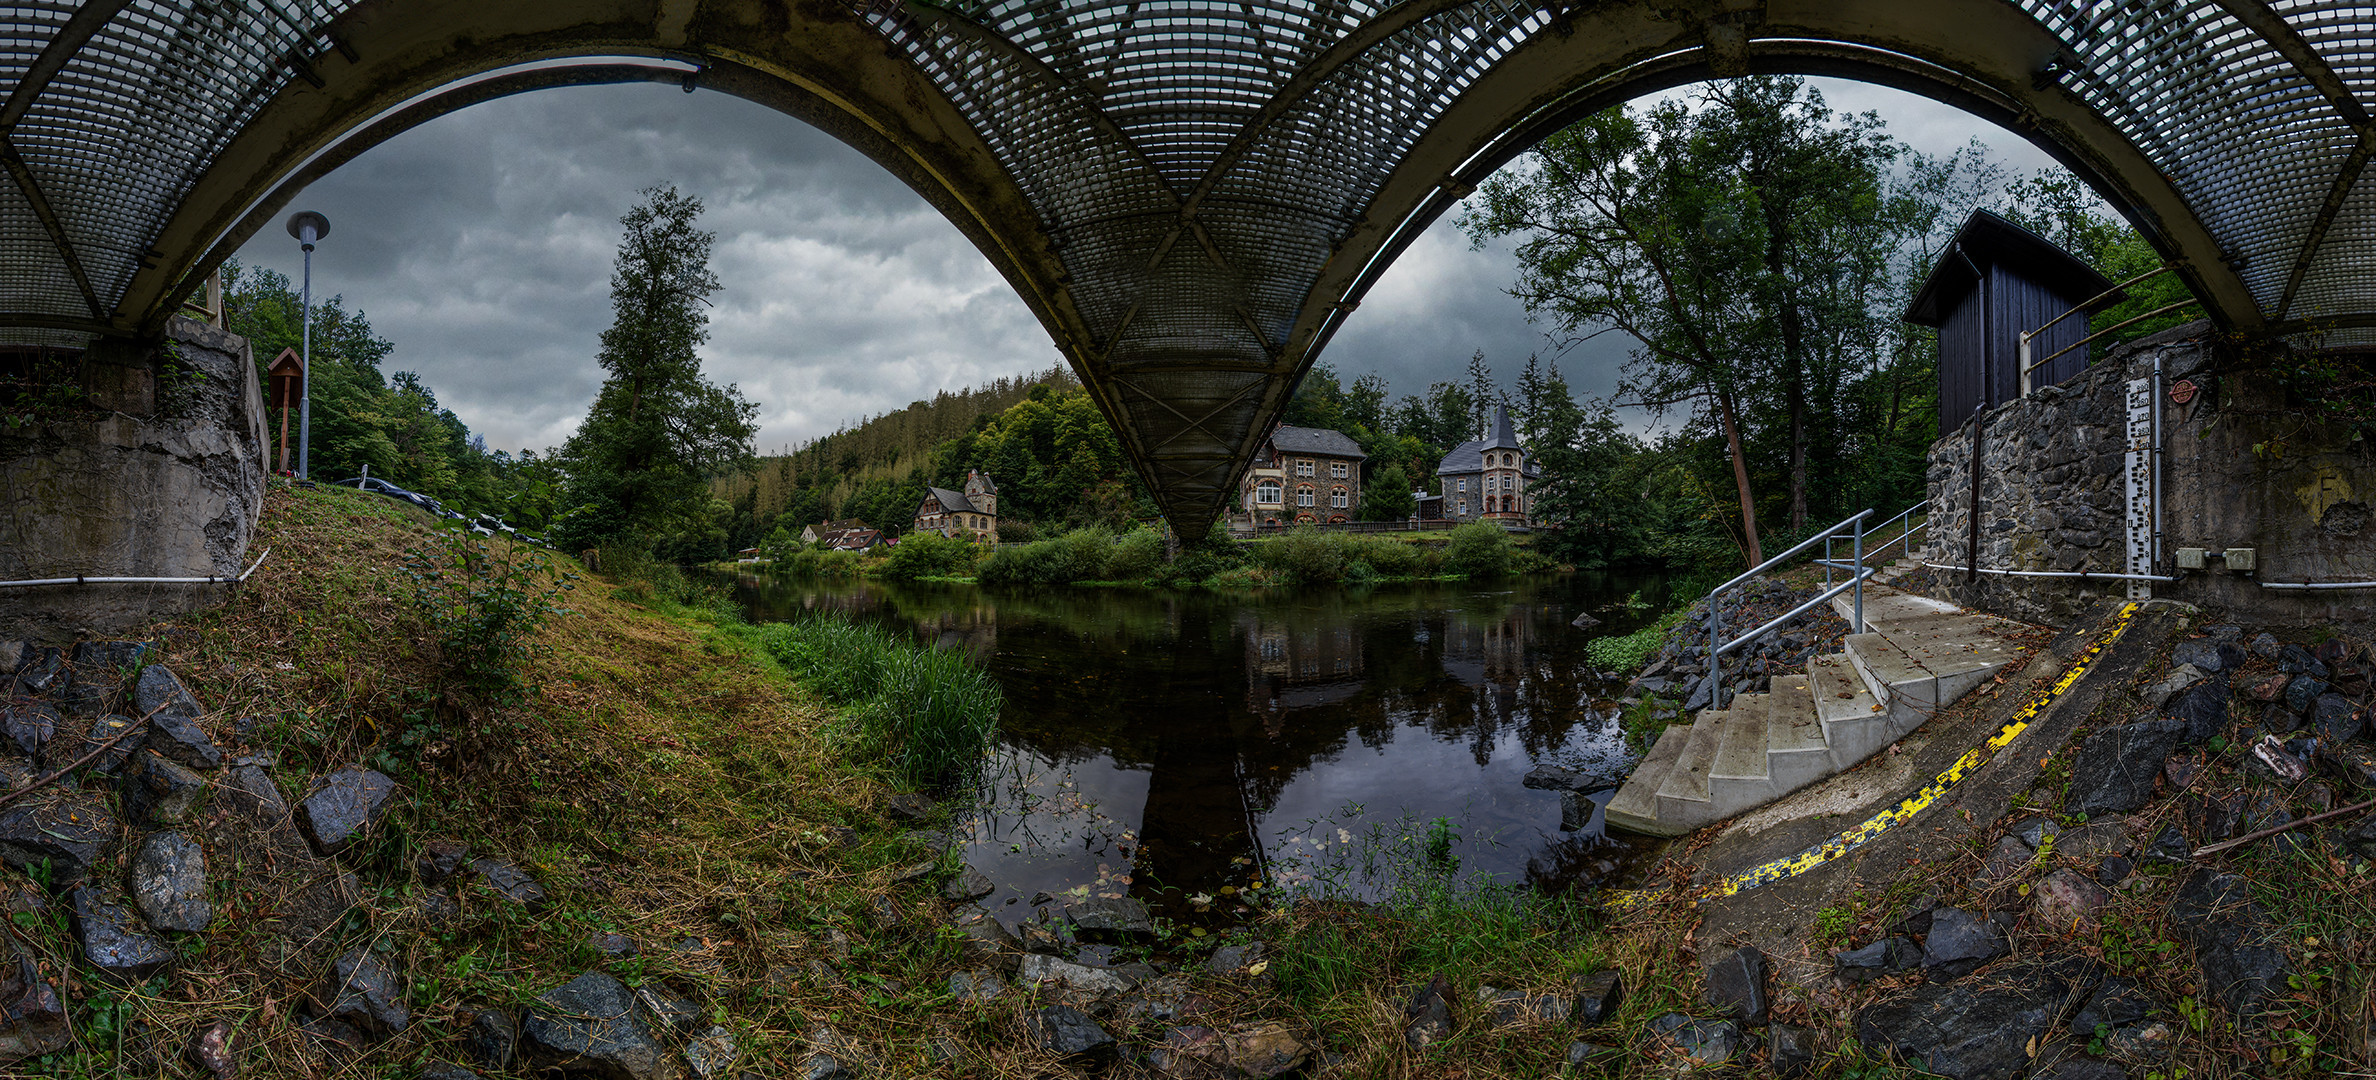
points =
(308, 227)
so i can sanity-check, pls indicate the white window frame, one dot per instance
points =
(1305, 496)
(1460, 486)
(1337, 499)
(1336, 470)
(1268, 493)
(1303, 467)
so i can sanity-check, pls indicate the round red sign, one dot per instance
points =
(2183, 391)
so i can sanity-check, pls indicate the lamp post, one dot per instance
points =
(308, 227)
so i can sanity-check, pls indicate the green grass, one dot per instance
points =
(1626, 653)
(925, 714)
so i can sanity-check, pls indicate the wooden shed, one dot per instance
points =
(1996, 281)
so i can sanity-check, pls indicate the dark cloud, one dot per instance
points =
(481, 244)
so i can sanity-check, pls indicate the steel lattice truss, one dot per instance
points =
(1191, 194)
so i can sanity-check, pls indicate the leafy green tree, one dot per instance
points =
(1386, 496)
(659, 429)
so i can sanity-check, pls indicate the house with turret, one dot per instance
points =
(1486, 479)
(971, 513)
(1302, 476)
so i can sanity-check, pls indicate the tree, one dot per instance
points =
(658, 429)
(1387, 495)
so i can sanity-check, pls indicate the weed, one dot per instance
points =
(485, 600)
(1627, 652)
(927, 714)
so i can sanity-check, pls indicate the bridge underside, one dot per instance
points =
(1191, 195)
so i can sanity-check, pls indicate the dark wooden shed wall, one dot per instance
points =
(1980, 343)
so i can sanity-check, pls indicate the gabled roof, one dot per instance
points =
(989, 487)
(1306, 440)
(953, 502)
(1469, 457)
(1987, 240)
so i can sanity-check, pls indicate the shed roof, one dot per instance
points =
(1986, 240)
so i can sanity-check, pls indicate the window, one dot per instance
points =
(1303, 496)
(1461, 485)
(1464, 508)
(1267, 492)
(1336, 469)
(1303, 467)
(1338, 499)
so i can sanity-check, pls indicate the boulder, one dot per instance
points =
(1887, 956)
(180, 739)
(2065, 901)
(2115, 768)
(1736, 986)
(1070, 1034)
(159, 692)
(2304, 692)
(969, 884)
(510, 882)
(2234, 942)
(1112, 921)
(1961, 941)
(1427, 1014)
(32, 1016)
(592, 1026)
(360, 990)
(159, 791)
(67, 833)
(169, 883)
(2204, 708)
(493, 1038)
(29, 728)
(113, 941)
(1598, 995)
(2336, 718)
(1971, 1029)
(349, 802)
(1702, 1042)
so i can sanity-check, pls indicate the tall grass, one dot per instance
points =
(1081, 555)
(925, 714)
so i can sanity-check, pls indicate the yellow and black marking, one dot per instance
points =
(1906, 810)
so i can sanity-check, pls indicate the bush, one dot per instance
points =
(1218, 553)
(1628, 652)
(484, 600)
(820, 563)
(1135, 557)
(1304, 557)
(1479, 551)
(1391, 558)
(925, 714)
(928, 554)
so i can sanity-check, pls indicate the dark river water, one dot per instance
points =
(1182, 747)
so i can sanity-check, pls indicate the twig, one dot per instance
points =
(80, 761)
(2250, 837)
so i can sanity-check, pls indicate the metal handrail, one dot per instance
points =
(1717, 646)
(1906, 532)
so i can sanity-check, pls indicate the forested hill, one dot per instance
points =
(1039, 437)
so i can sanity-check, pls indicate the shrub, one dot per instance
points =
(1135, 557)
(484, 600)
(1390, 557)
(1627, 652)
(1216, 554)
(1304, 557)
(1479, 551)
(928, 554)
(820, 563)
(925, 714)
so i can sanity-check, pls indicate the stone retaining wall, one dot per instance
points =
(162, 477)
(2240, 470)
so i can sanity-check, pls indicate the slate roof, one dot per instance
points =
(1305, 440)
(1469, 457)
(951, 501)
(989, 486)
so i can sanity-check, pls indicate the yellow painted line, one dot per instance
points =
(1905, 811)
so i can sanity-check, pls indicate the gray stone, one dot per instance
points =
(446, 1070)
(493, 1039)
(64, 834)
(1427, 1015)
(1070, 1034)
(2080, 1068)
(1090, 984)
(1960, 941)
(254, 787)
(613, 946)
(1736, 986)
(349, 802)
(2007, 861)
(1575, 811)
(1703, 1042)
(2116, 1001)
(2178, 681)
(169, 883)
(2264, 645)
(180, 738)
(2034, 831)
(1511, 1008)
(1598, 995)
(712, 1054)
(2234, 942)
(976, 986)
(441, 859)
(1562, 778)
(1237, 960)
(2204, 708)
(969, 884)
(1887, 956)
(102, 729)
(825, 1067)
(32, 1016)
(592, 1026)
(510, 882)
(2209, 656)
(983, 937)
(333, 1035)
(1790, 1051)
(670, 1013)
(2296, 660)
(907, 806)
(30, 727)
(2067, 902)
(2336, 718)
(2169, 847)
(2116, 767)
(161, 792)
(1113, 921)
(1970, 1029)
(2303, 693)
(113, 942)
(1580, 1052)
(2360, 839)
(2113, 870)
(360, 990)
(159, 692)
(39, 671)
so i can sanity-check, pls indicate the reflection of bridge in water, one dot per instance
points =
(1192, 198)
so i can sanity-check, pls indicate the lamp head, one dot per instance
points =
(308, 227)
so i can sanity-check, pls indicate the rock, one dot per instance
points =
(113, 941)
(1068, 1033)
(2263, 645)
(2116, 1001)
(211, 1050)
(2146, 1043)
(915, 872)
(336, 1035)
(360, 990)
(592, 1026)
(510, 882)
(1704, 1042)
(907, 806)
(2034, 831)
(1427, 1015)
(1252, 1051)
(255, 788)
(158, 692)
(825, 1067)
(493, 1039)
(1970, 1029)
(1575, 811)
(1119, 922)
(1580, 1052)
(349, 802)
(440, 860)
(2270, 761)
(2080, 1068)
(65, 833)
(2296, 660)
(2213, 818)
(2234, 943)
(29, 728)
(2169, 847)
(2336, 719)
(2115, 768)
(1511, 1008)
(2113, 870)
(1790, 1051)
(613, 946)
(2067, 902)
(2210, 656)
(32, 1017)
(158, 791)
(976, 986)
(1887, 956)
(1238, 960)
(180, 739)
(1736, 985)
(169, 883)
(983, 937)
(969, 884)
(1598, 995)
(2204, 708)
(1961, 941)
(2006, 862)
(1555, 778)
(2302, 693)
(1091, 984)
(711, 1054)
(1584, 622)
(669, 1013)
(446, 1070)
(2171, 685)
(2271, 688)
(2360, 839)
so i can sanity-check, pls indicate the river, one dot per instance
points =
(1182, 747)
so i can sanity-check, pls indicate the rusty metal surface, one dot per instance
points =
(1191, 195)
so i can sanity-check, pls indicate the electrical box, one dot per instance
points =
(2190, 558)
(2241, 559)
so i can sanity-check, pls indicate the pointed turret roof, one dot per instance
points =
(1502, 438)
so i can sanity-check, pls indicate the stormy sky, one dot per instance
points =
(481, 244)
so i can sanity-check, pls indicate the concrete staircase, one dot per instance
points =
(1916, 657)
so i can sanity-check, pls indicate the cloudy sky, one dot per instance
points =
(481, 243)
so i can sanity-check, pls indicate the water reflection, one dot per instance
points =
(1169, 745)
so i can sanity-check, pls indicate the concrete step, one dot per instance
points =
(1635, 806)
(1796, 751)
(1741, 741)
(1885, 605)
(1687, 781)
(1896, 680)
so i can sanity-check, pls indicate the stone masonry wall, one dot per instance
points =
(2240, 469)
(162, 477)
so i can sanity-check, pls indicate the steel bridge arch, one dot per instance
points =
(1191, 195)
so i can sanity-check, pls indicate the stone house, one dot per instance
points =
(972, 513)
(810, 534)
(1302, 476)
(1486, 479)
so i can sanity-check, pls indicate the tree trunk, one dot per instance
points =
(1740, 464)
